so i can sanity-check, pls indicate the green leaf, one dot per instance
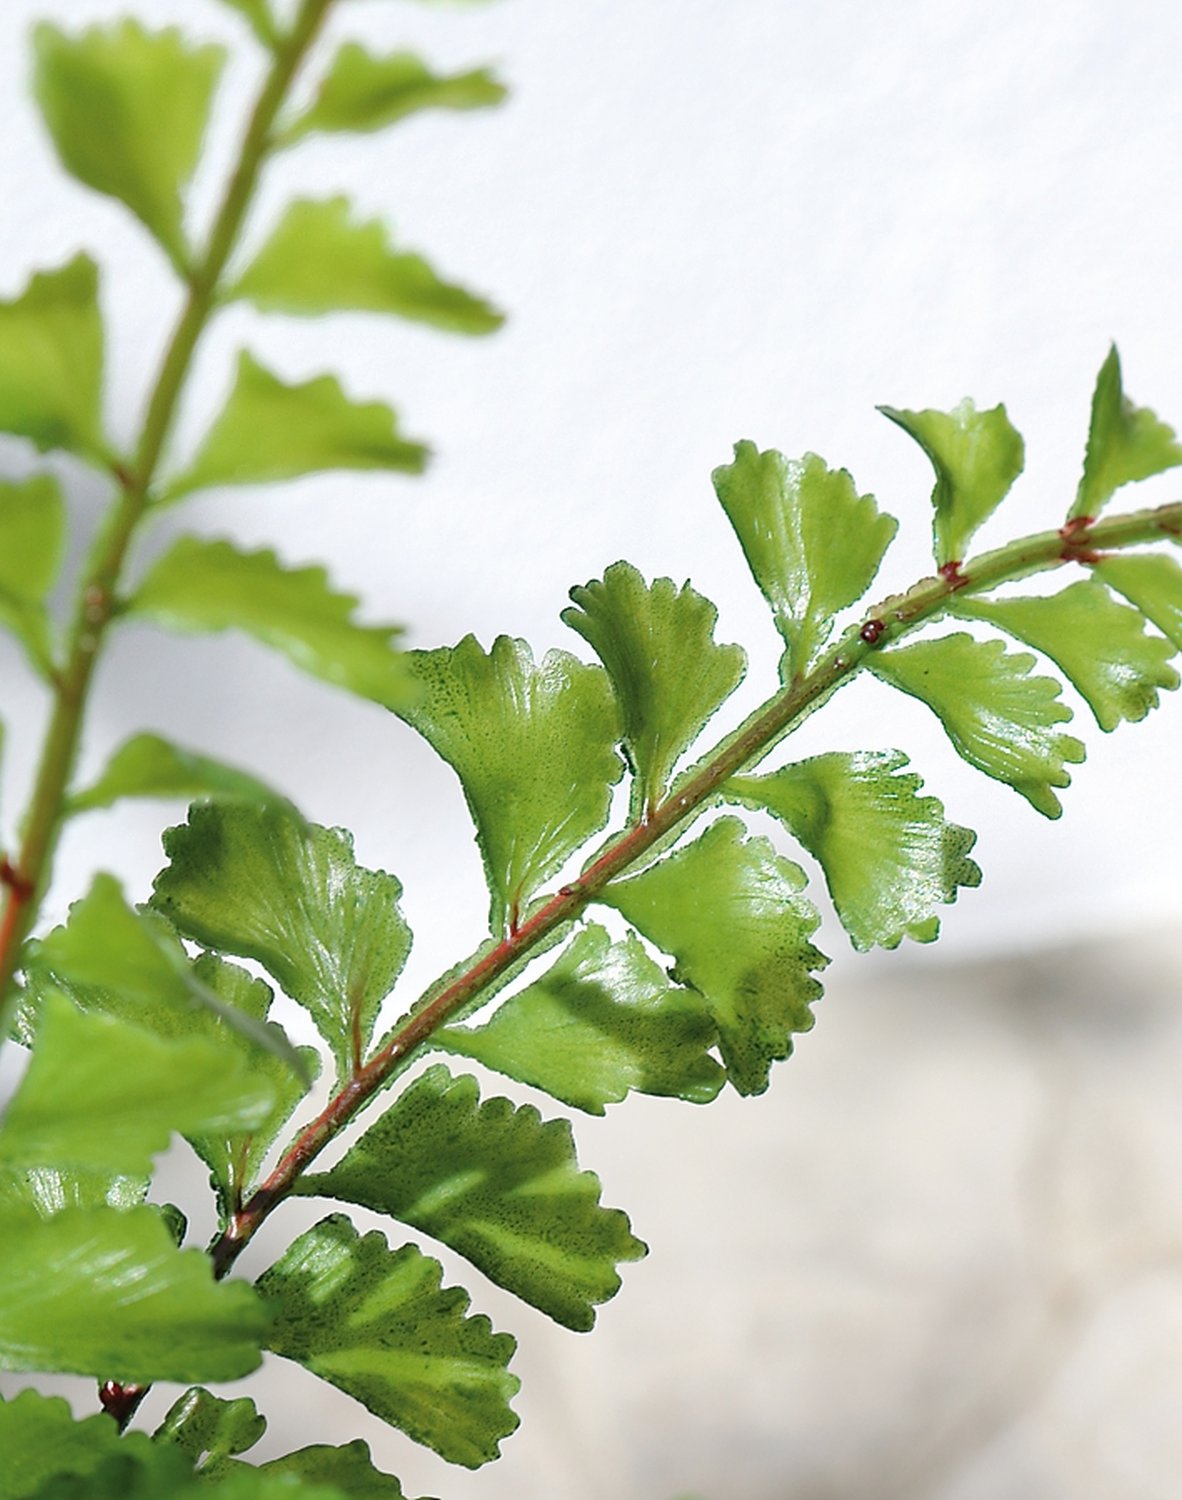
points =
(729, 910)
(812, 542)
(105, 1292)
(127, 109)
(41, 1440)
(361, 92)
(1100, 645)
(533, 744)
(46, 1191)
(51, 362)
(148, 766)
(203, 586)
(32, 536)
(602, 1021)
(259, 18)
(270, 431)
(320, 260)
(890, 856)
(670, 675)
(260, 883)
(496, 1183)
(378, 1324)
(1125, 443)
(1153, 583)
(977, 455)
(999, 718)
(208, 1429)
(348, 1469)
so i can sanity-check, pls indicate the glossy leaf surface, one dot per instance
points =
(208, 1429)
(977, 455)
(729, 910)
(149, 766)
(46, 1191)
(379, 1324)
(496, 1183)
(32, 536)
(1000, 718)
(602, 1021)
(1125, 443)
(1151, 582)
(890, 856)
(670, 675)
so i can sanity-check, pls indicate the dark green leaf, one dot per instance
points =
(533, 744)
(260, 883)
(200, 586)
(999, 717)
(270, 431)
(162, 1472)
(319, 260)
(1125, 443)
(890, 856)
(40, 1440)
(148, 766)
(127, 110)
(729, 910)
(348, 1469)
(32, 534)
(602, 1021)
(670, 675)
(378, 1324)
(496, 1183)
(208, 1429)
(1153, 583)
(977, 455)
(813, 543)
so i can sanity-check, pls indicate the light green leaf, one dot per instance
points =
(348, 1469)
(1125, 443)
(496, 1183)
(999, 718)
(32, 535)
(602, 1021)
(729, 910)
(148, 766)
(812, 542)
(361, 92)
(40, 1441)
(202, 586)
(259, 18)
(105, 1292)
(270, 431)
(51, 362)
(1153, 583)
(670, 675)
(260, 883)
(533, 744)
(378, 1324)
(208, 1429)
(890, 856)
(977, 455)
(48, 1190)
(1100, 645)
(163, 1473)
(127, 109)
(319, 260)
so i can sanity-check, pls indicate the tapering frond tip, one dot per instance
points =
(1126, 442)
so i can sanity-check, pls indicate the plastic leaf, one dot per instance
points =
(105, 1292)
(51, 361)
(148, 766)
(890, 856)
(1099, 644)
(1153, 583)
(361, 92)
(41, 1440)
(378, 1324)
(533, 744)
(127, 110)
(260, 883)
(32, 534)
(1125, 443)
(202, 586)
(729, 910)
(977, 455)
(604, 1020)
(813, 543)
(670, 675)
(496, 1183)
(208, 1429)
(319, 260)
(999, 717)
(269, 431)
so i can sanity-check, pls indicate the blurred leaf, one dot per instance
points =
(496, 1183)
(148, 766)
(1125, 443)
(127, 109)
(812, 542)
(271, 431)
(603, 1020)
(1153, 583)
(41, 1440)
(208, 1429)
(669, 674)
(729, 910)
(977, 455)
(259, 18)
(890, 856)
(32, 536)
(378, 1324)
(201, 586)
(533, 744)
(999, 718)
(320, 260)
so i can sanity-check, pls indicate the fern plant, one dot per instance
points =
(139, 1022)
